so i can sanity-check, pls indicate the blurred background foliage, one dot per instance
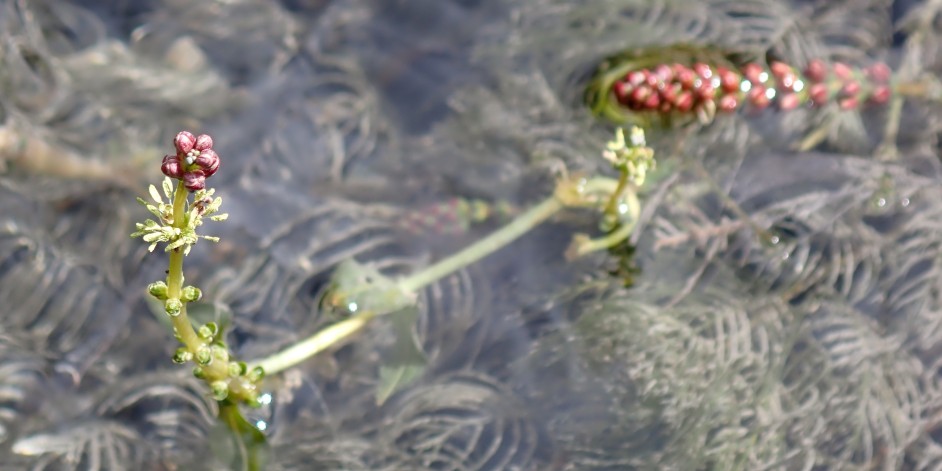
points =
(786, 314)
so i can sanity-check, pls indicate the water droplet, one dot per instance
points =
(904, 202)
(623, 208)
(881, 202)
(261, 425)
(764, 77)
(798, 86)
(265, 399)
(786, 255)
(770, 93)
(774, 240)
(352, 307)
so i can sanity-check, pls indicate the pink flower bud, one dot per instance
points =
(171, 167)
(706, 91)
(757, 97)
(818, 93)
(881, 94)
(842, 71)
(788, 101)
(652, 102)
(684, 76)
(684, 101)
(816, 71)
(635, 78)
(753, 72)
(621, 90)
(849, 103)
(184, 142)
(203, 142)
(669, 92)
(728, 103)
(879, 72)
(640, 95)
(729, 80)
(194, 180)
(780, 70)
(703, 70)
(208, 161)
(664, 72)
(850, 89)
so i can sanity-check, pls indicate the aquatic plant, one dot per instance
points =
(360, 291)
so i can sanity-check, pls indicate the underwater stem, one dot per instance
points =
(484, 247)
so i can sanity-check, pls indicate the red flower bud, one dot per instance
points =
(640, 95)
(652, 102)
(816, 71)
(753, 72)
(842, 71)
(788, 101)
(729, 80)
(780, 70)
(880, 95)
(703, 70)
(203, 142)
(728, 103)
(818, 93)
(706, 91)
(635, 78)
(664, 73)
(208, 161)
(621, 90)
(849, 103)
(684, 101)
(184, 142)
(850, 89)
(171, 167)
(879, 72)
(194, 180)
(684, 76)
(757, 97)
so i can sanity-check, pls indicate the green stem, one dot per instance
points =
(612, 205)
(314, 344)
(181, 323)
(484, 247)
(182, 326)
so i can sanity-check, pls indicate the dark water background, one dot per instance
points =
(814, 348)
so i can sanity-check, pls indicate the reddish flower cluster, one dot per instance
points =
(194, 162)
(705, 89)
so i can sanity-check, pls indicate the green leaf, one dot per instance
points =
(405, 362)
(238, 443)
(394, 378)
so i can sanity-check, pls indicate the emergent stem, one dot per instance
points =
(181, 323)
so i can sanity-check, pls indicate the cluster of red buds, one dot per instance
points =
(194, 162)
(705, 89)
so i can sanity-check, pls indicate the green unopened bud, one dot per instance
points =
(220, 352)
(204, 355)
(191, 294)
(158, 290)
(236, 369)
(220, 390)
(199, 373)
(173, 306)
(182, 355)
(208, 331)
(256, 374)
